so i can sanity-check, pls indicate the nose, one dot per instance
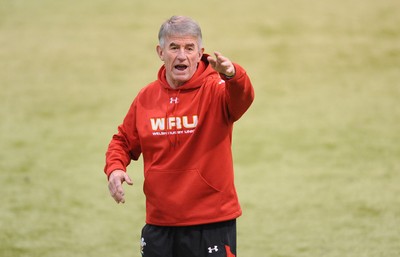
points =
(181, 54)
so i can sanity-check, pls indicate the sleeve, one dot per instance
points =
(239, 93)
(125, 145)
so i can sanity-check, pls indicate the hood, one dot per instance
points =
(204, 69)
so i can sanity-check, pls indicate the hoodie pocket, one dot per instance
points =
(178, 196)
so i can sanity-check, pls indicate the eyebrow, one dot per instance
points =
(175, 44)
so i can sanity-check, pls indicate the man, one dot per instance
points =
(182, 125)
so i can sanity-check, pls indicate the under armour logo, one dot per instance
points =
(173, 100)
(211, 250)
(142, 245)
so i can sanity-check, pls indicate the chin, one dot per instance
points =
(181, 80)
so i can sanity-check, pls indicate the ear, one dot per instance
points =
(160, 52)
(201, 52)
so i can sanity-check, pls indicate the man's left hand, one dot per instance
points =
(222, 64)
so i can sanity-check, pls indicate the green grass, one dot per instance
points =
(317, 156)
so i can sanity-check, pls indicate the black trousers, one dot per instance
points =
(209, 240)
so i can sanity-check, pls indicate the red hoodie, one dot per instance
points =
(185, 137)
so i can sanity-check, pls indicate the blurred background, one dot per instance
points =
(317, 157)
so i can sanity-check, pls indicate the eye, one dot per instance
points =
(190, 48)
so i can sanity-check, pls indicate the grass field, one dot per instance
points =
(317, 156)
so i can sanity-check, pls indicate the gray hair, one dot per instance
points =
(179, 26)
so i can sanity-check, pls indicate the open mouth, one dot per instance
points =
(181, 67)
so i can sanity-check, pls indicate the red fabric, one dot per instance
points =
(185, 136)
(228, 251)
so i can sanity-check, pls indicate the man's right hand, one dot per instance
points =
(117, 177)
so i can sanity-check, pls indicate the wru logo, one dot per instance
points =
(184, 122)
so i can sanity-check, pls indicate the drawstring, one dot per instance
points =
(175, 141)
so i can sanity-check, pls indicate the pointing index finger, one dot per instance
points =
(218, 56)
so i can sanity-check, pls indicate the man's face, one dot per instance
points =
(180, 55)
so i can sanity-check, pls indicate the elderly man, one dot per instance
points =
(182, 125)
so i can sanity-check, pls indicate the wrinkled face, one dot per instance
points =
(180, 55)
